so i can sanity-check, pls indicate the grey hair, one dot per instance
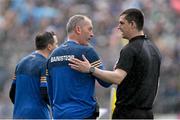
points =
(73, 22)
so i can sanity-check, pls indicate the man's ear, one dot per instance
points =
(49, 47)
(78, 30)
(133, 25)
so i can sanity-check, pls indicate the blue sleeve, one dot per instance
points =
(49, 83)
(95, 61)
(43, 84)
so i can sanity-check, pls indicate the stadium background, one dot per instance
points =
(20, 20)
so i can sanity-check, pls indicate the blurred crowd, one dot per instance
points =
(21, 20)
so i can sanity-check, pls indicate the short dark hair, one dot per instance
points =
(43, 39)
(135, 15)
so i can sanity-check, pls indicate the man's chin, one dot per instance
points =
(124, 37)
(88, 40)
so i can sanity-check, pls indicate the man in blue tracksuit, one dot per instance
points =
(72, 93)
(29, 87)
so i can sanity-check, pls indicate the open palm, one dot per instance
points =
(82, 66)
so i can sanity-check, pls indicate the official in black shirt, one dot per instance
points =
(136, 72)
(136, 93)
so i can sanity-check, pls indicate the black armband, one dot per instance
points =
(12, 93)
(44, 95)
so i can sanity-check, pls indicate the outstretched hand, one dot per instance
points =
(82, 66)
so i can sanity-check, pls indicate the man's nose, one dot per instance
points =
(118, 27)
(92, 35)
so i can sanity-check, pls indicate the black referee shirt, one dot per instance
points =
(141, 60)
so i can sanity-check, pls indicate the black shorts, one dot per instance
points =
(132, 113)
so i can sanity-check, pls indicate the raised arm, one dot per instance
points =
(114, 77)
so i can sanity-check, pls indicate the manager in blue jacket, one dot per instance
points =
(71, 92)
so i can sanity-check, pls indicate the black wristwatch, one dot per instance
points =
(91, 70)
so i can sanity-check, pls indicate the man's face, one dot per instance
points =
(86, 32)
(125, 27)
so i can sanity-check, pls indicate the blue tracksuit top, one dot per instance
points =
(71, 92)
(30, 75)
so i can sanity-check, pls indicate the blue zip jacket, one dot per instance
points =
(71, 92)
